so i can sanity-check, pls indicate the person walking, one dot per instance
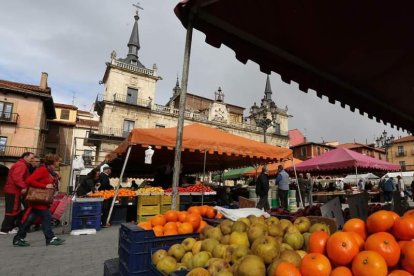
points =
(388, 188)
(13, 189)
(282, 180)
(34, 164)
(262, 190)
(45, 177)
(105, 184)
(303, 186)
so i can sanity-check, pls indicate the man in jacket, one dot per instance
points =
(282, 180)
(388, 189)
(262, 190)
(13, 189)
(105, 184)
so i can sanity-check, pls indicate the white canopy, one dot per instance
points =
(352, 178)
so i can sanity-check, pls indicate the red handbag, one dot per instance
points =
(39, 196)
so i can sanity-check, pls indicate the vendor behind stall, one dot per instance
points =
(89, 184)
(105, 184)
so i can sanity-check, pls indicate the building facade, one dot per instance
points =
(127, 102)
(369, 150)
(401, 152)
(24, 113)
(308, 150)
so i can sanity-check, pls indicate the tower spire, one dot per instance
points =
(268, 89)
(133, 43)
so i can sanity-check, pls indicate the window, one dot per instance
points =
(277, 128)
(64, 114)
(132, 96)
(303, 151)
(87, 133)
(400, 151)
(6, 110)
(128, 126)
(159, 126)
(402, 164)
(3, 143)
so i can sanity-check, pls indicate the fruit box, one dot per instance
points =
(136, 245)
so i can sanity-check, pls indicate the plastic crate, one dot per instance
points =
(89, 222)
(125, 271)
(111, 267)
(148, 210)
(92, 208)
(136, 245)
(167, 200)
(149, 200)
(143, 218)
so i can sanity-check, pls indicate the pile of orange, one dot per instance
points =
(123, 192)
(381, 245)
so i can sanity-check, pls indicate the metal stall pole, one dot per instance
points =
(180, 122)
(297, 183)
(119, 184)
(204, 173)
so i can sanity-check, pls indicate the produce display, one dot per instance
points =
(150, 190)
(382, 245)
(123, 192)
(196, 188)
(180, 222)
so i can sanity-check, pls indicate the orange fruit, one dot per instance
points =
(201, 226)
(369, 263)
(185, 228)
(182, 216)
(315, 264)
(356, 225)
(341, 248)
(358, 240)
(380, 221)
(158, 230)
(203, 210)
(171, 232)
(194, 210)
(211, 212)
(171, 215)
(194, 219)
(286, 269)
(384, 244)
(146, 225)
(400, 272)
(341, 271)
(158, 220)
(170, 226)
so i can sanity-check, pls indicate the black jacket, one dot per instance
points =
(262, 185)
(86, 186)
(105, 183)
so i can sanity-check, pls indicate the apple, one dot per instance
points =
(302, 224)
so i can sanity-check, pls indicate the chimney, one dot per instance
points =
(43, 81)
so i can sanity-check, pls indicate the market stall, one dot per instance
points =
(272, 167)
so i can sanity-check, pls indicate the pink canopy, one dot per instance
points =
(342, 159)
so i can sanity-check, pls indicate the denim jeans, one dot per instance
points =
(31, 218)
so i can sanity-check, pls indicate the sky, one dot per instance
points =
(72, 41)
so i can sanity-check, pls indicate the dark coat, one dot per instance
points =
(105, 183)
(262, 185)
(86, 186)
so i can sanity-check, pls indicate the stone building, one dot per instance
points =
(127, 102)
(24, 113)
(401, 152)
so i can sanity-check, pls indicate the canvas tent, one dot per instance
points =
(357, 53)
(232, 174)
(342, 159)
(353, 179)
(272, 168)
(201, 145)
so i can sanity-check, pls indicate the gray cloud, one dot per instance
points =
(72, 40)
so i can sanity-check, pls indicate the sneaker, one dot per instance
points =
(14, 231)
(55, 241)
(21, 243)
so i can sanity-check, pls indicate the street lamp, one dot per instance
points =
(265, 116)
(385, 142)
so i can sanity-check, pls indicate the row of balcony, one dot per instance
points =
(12, 151)
(161, 109)
(8, 117)
(402, 153)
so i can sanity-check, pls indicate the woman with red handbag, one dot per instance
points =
(45, 177)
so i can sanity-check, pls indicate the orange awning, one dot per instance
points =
(272, 168)
(224, 150)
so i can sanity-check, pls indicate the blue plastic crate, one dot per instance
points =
(80, 209)
(136, 245)
(111, 267)
(88, 222)
(125, 271)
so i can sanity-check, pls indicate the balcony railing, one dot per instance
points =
(121, 98)
(110, 131)
(7, 117)
(133, 68)
(401, 153)
(18, 151)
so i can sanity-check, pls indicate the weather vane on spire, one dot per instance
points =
(137, 5)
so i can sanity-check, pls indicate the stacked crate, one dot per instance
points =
(148, 206)
(166, 201)
(86, 214)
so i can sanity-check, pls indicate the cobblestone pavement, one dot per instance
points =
(79, 255)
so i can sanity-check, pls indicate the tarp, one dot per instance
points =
(232, 174)
(272, 168)
(352, 178)
(359, 53)
(224, 150)
(344, 159)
